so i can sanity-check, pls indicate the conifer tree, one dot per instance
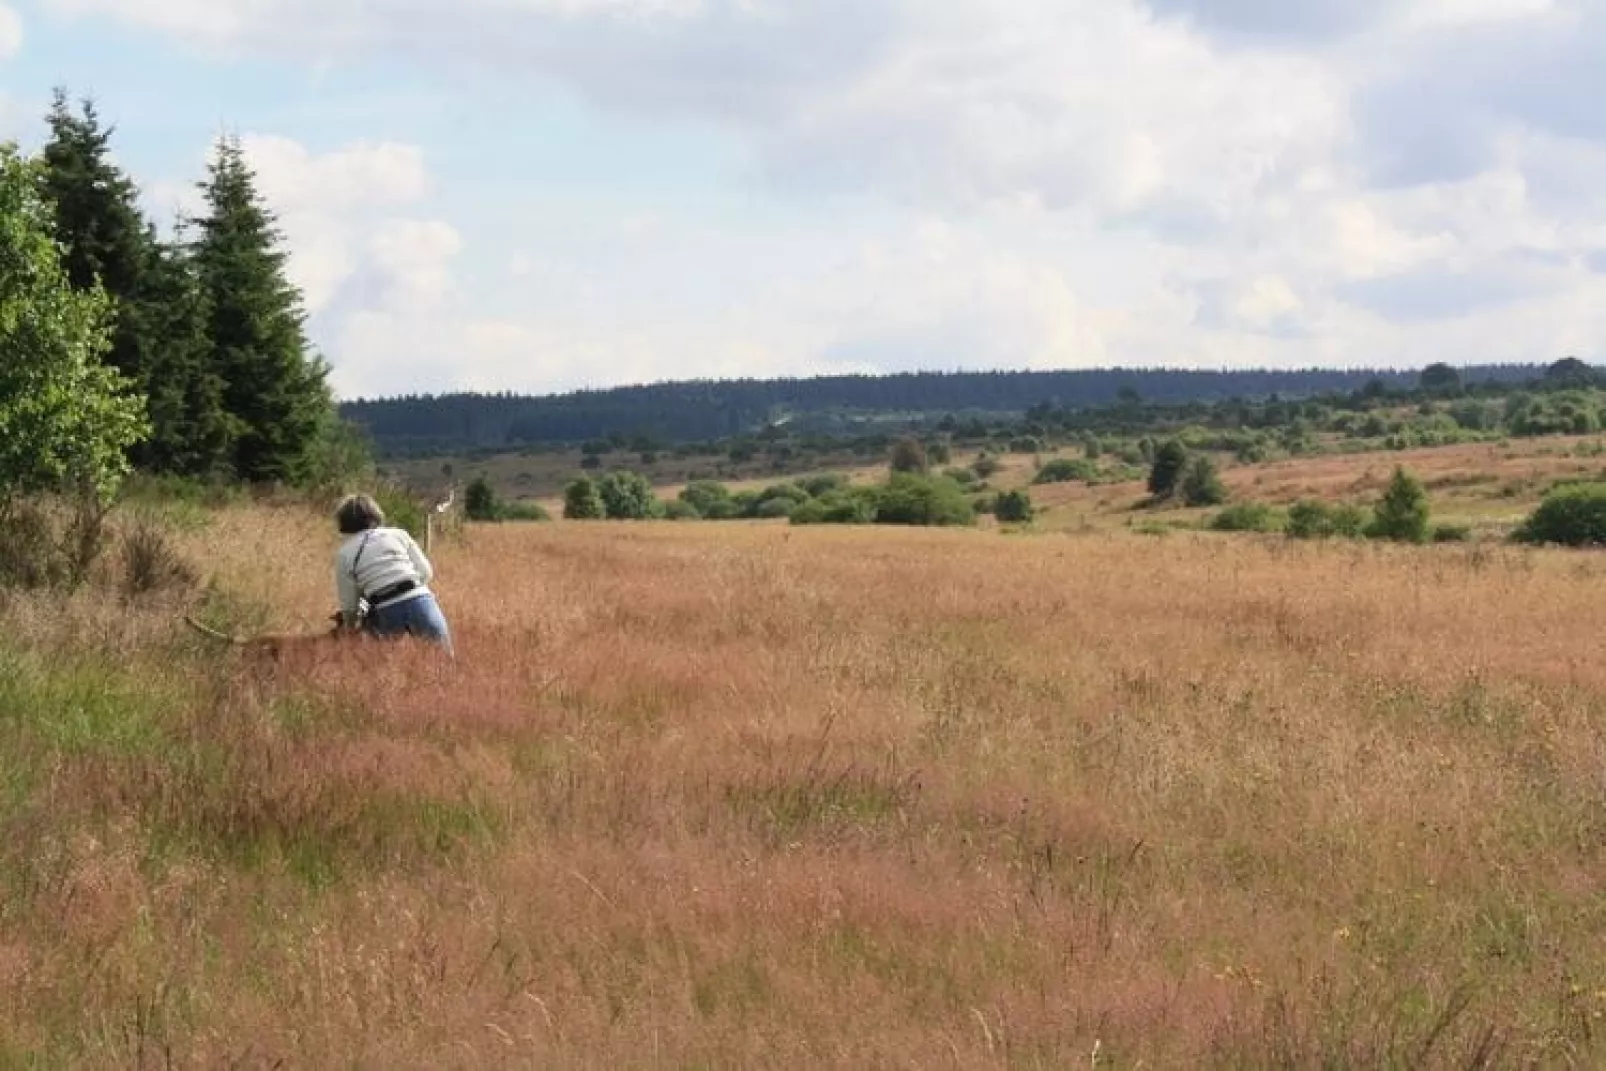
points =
(274, 388)
(159, 326)
(192, 434)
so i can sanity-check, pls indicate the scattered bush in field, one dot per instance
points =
(1317, 520)
(681, 510)
(963, 477)
(1166, 472)
(1066, 470)
(1452, 533)
(986, 466)
(855, 506)
(402, 510)
(1028, 444)
(479, 500)
(780, 508)
(1573, 515)
(627, 496)
(984, 504)
(1248, 517)
(1402, 513)
(822, 485)
(784, 492)
(920, 500)
(522, 511)
(1202, 486)
(582, 502)
(909, 455)
(1014, 507)
(711, 500)
(150, 563)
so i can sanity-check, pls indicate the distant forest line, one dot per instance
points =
(692, 411)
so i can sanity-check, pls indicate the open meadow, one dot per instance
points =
(749, 795)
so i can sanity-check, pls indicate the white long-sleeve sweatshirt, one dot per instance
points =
(371, 561)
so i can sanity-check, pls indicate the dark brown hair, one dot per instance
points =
(358, 513)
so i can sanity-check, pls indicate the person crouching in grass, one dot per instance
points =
(382, 577)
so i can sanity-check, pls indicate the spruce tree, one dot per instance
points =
(159, 327)
(274, 388)
(192, 434)
(97, 219)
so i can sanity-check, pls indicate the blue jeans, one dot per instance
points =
(419, 617)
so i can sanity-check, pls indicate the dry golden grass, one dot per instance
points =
(743, 795)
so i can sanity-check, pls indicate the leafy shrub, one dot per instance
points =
(963, 477)
(1573, 515)
(984, 504)
(909, 455)
(1317, 520)
(986, 466)
(783, 492)
(402, 510)
(711, 500)
(681, 510)
(1170, 461)
(779, 508)
(1402, 513)
(822, 485)
(479, 500)
(917, 500)
(532, 512)
(1014, 507)
(1026, 444)
(1202, 486)
(627, 496)
(839, 507)
(1248, 517)
(1065, 470)
(582, 502)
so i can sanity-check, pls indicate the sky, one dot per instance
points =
(544, 195)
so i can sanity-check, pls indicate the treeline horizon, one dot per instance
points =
(708, 409)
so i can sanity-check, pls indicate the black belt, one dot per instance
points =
(392, 592)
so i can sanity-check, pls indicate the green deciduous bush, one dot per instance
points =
(918, 500)
(1317, 520)
(627, 496)
(1202, 486)
(1014, 507)
(1248, 517)
(582, 502)
(1066, 470)
(1572, 515)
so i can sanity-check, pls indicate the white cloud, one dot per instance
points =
(1053, 182)
(329, 209)
(10, 32)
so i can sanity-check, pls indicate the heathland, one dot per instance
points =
(735, 794)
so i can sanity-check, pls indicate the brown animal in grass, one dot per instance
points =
(276, 645)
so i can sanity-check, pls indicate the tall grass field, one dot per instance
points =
(746, 795)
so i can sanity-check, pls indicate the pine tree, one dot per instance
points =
(192, 434)
(97, 219)
(158, 339)
(1402, 512)
(274, 388)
